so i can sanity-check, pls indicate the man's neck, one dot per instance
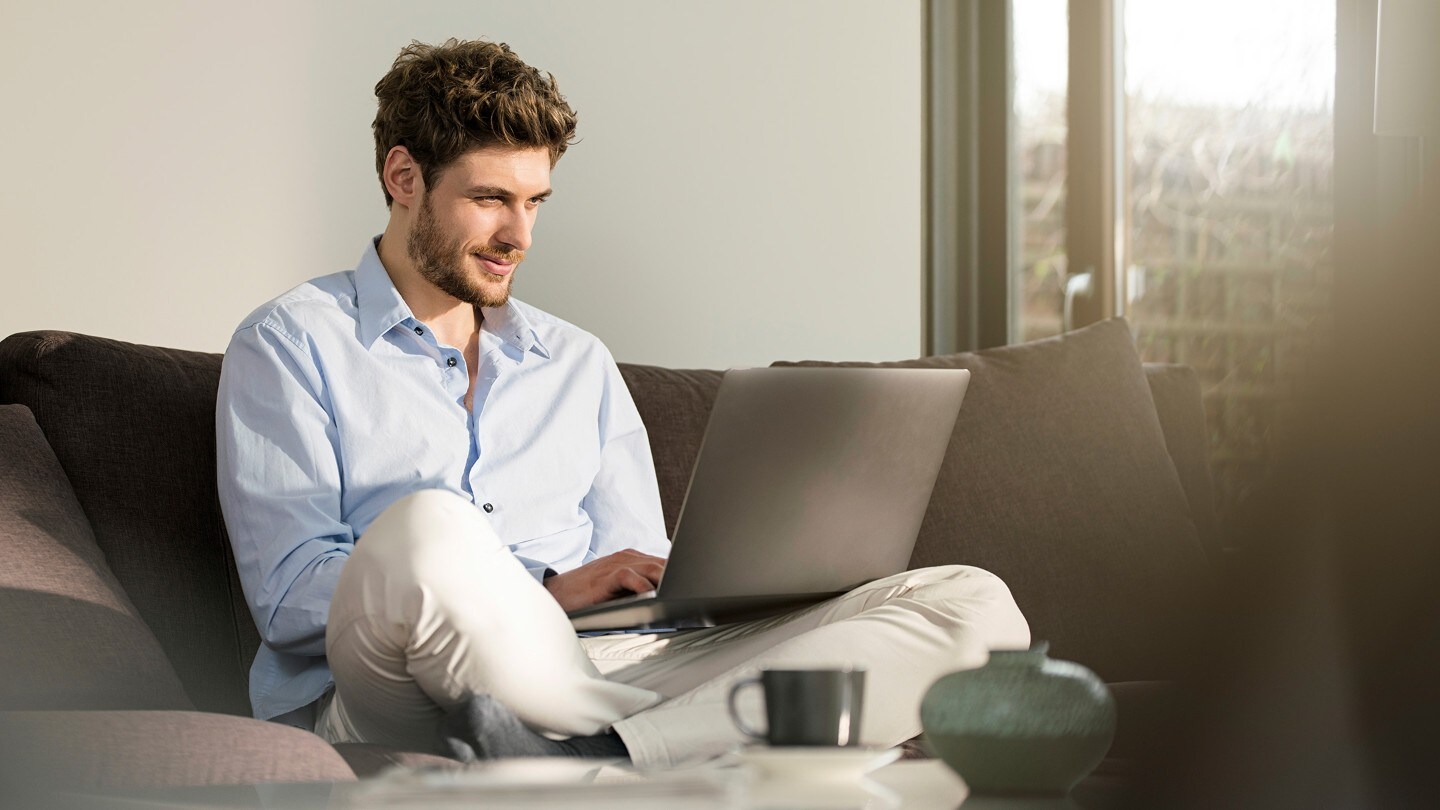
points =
(454, 321)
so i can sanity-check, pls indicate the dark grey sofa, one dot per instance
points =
(1074, 473)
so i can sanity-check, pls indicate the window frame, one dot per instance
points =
(971, 253)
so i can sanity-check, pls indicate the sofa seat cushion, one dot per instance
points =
(69, 636)
(1057, 480)
(129, 750)
(1148, 715)
(369, 759)
(1151, 719)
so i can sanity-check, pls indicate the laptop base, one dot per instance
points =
(645, 612)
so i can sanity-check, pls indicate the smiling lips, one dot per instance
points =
(499, 263)
(495, 267)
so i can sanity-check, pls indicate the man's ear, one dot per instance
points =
(402, 176)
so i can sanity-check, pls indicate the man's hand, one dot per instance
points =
(619, 574)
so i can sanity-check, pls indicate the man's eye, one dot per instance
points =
(537, 200)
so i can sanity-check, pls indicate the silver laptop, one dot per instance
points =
(809, 482)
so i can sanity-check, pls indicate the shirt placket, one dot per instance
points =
(454, 379)
(485, 380)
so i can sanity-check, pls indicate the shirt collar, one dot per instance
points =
(381, 308)
(513, 326)
(379, 303)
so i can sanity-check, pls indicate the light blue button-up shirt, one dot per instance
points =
(335, 402)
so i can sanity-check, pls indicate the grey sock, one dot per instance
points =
(483, 728)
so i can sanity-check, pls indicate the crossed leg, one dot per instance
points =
(905, 631)
(433, 608)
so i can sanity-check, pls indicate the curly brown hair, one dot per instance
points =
(441, 101)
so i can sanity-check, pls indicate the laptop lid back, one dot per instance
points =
(811, 480)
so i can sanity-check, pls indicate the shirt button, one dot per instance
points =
(450, 362)
(489, 507)
(419, 330)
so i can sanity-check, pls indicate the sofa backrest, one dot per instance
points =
(675, 405)
(133, 429)
(1180, 405)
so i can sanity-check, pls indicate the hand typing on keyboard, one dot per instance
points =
(610, 577)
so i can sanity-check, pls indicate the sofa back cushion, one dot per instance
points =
(69, 636)
(134, 430)
(1057, 480)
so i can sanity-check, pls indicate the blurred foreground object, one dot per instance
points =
(1407, 61)
(1321, 686)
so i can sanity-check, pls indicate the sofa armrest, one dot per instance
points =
(126, 750)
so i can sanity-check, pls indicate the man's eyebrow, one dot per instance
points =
(497, 191)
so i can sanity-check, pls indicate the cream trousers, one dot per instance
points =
(432, 608)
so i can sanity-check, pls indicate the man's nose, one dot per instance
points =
(515, 229)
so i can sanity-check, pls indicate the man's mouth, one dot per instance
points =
(496, 267)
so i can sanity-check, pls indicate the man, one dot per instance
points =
(421, 474)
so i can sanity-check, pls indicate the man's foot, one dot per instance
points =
(483, 728)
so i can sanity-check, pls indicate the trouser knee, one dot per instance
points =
(426, 530)
(950, 579)
(982, 598)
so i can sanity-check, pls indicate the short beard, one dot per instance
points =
(443, 263)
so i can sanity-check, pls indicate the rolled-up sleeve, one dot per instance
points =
(280, 486)
(624, 499)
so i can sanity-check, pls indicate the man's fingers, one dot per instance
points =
(633, 581)
(651, 571)
(631, 555)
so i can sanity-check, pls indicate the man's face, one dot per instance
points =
(471, 230)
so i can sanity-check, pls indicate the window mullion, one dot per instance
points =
(968, 156)
(1094, 215)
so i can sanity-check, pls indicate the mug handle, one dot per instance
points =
(735, 713)
(846, 709)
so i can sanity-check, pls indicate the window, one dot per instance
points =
(1038, 196)
(1229, 119)
(1169, 162)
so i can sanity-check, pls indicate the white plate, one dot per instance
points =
(815, 764)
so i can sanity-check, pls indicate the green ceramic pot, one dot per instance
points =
(1021, 724)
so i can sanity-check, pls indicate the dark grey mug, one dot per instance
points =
(806, 706)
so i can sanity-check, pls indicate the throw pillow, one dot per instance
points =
(1057, 480)
(134, 429)
(70, 637)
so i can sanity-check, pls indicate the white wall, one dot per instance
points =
(747, 186)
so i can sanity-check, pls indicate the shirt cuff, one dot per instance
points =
(539, 570)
